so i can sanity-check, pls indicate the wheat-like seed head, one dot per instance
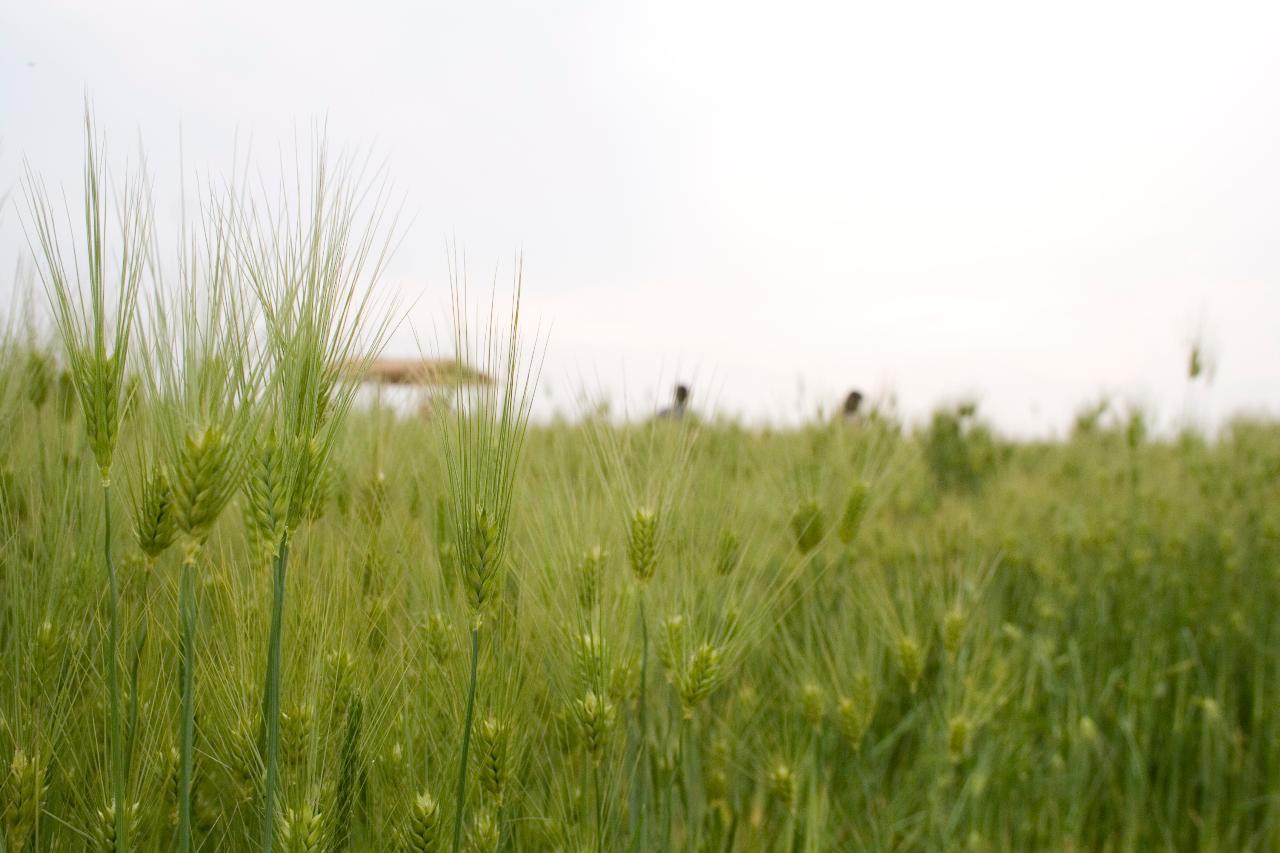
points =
(311, 483)
(959, 733)
(910, 662)
(715, 772)
(642, 544)
(493, 742)
(421, 829)
(782, 785)
(589, 660)
(23, 798)
(264, 488)
(854, 509)
(588, 577)
(100, 387)
(807, 525)
(481, 560)
(97, 347)
(701, 676)
(296, 726)
(49, 645)
(813, 705)
(205, 478)
(671, 650)
(596, 716)
(103, 833)
(856, 711)
(484, 836)
(302, 830)
(439, 638)
(341, 670)
(154, 514)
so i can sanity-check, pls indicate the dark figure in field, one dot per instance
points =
(851, 404)
(680, 404)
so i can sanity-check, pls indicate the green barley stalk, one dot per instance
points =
(482, 444)
(348, 774)
(204, 375)
(311, 259)
(97, 350)
(644, 471)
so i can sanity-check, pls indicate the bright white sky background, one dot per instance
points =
(1033, 203)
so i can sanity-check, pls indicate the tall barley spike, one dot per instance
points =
(807, 525)
(296, 726)
(782, 785)
(349, 773)
(154, 514)
(482, 444)
(856, 711)
(97, 347)
(813, 705)
(671, 651)
(701, 676)
(439, 639)
(313, 273)
(910, 662)
(588, 577)
(105, 837)
(642, 543)
(854, 509)
(959, 731)
(493, 742)
(264, 496)
(485, 836)
(589, 660)
(596, 716)
(480, 562)
(23, 797)
(420, 835)
(302, 830)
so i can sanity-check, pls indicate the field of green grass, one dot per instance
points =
(240, 612)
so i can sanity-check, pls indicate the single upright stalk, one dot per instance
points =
(811, 828)
(461, 799)
(186, 639)
(642, 758)
(271, 695)
(692, 824)
(595, 774)
(131, 726)
(679, 776)
(118, 780)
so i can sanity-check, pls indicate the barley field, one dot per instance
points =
(244, 606)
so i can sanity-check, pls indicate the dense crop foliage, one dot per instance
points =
(1081, 653)
(422, 634)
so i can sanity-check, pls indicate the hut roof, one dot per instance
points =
(419, 371)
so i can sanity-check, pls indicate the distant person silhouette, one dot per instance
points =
(679, 405)
(851, 405)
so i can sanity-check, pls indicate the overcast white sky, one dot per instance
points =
(1032, 203)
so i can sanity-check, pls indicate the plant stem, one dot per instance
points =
(132, 724)
(271, 695)
(639, 817)
(680, 773)
(186, 642)
(461, 799)
(812, 825)
(599, 810)
(113, 678)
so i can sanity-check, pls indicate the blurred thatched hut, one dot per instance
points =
(432, 381)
